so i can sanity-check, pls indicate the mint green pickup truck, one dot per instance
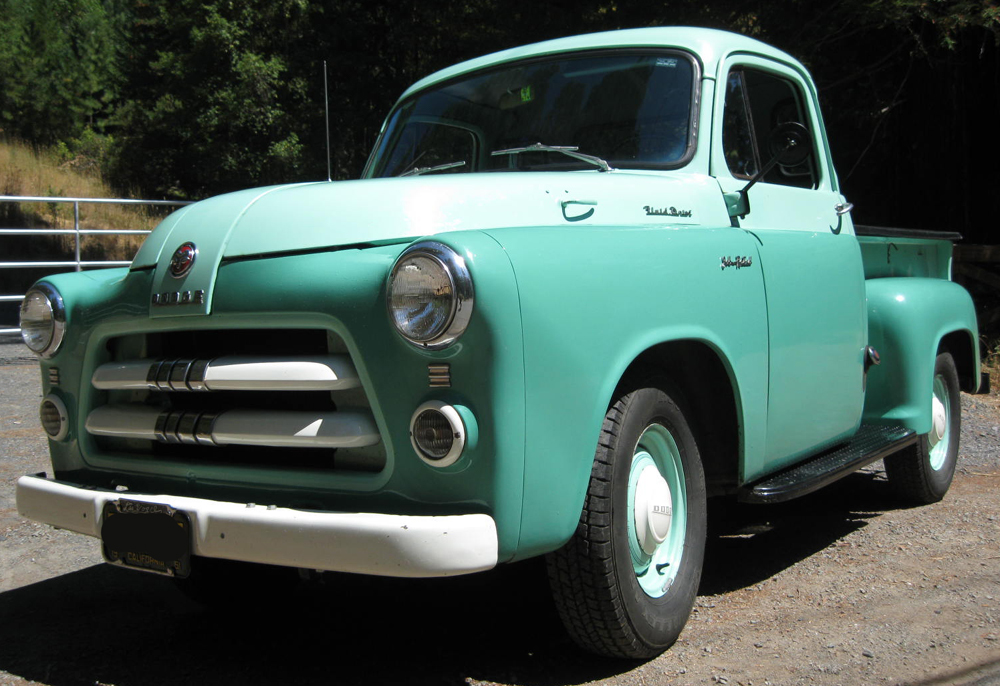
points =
(585, 290)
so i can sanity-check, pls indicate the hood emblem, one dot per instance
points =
(183, 259)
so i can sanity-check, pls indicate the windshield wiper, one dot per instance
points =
(568, 150)
(417, 171)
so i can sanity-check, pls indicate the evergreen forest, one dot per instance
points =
(189, 98)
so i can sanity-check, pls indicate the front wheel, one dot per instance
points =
(923, 472)
(625, 583)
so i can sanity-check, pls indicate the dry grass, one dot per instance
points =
(989, 351)
(25, 171)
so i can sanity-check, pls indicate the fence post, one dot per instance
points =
(76, 228)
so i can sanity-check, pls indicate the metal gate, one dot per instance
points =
(77, 232)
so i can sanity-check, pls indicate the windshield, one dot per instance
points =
(630, 110)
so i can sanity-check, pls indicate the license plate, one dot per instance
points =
(147, 536)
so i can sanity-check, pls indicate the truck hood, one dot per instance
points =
(316, 216)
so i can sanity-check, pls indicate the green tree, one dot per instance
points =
(221, 95)
(59, 66)
(209, 95)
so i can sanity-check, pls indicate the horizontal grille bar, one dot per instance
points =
(230, 373)
(275, 428)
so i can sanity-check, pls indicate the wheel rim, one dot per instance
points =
(657, 510)
(938, 438)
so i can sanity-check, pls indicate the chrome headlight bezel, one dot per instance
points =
(47, 345)
(461, 295)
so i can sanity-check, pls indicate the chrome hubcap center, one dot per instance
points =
(940, 422)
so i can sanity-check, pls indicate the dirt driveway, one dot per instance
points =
(842, 587)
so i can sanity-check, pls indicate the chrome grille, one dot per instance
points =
(231, 373)
(223, 399)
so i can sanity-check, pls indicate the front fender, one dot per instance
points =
(907, 320)
(593, 300)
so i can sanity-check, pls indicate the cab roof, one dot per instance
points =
(710, 46)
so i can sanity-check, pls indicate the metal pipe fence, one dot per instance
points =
(77, 263)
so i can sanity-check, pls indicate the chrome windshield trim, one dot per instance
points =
(694, 113)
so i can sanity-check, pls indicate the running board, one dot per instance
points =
(871, 443)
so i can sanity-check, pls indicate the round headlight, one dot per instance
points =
(430, 295)
(43, 319)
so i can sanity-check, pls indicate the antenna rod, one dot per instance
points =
(326, 111)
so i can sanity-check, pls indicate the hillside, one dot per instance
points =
(25, 171)
(28, 171)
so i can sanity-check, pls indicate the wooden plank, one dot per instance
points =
(977, 253)
(978, 273)
(989, 318)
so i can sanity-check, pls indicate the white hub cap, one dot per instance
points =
(940, 419)
(653, 509)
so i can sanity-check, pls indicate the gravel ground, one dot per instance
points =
(841, 587)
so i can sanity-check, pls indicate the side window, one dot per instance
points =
(737, 133)
(756, 102)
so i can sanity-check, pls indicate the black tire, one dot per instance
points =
(594, 580)
(922, 473)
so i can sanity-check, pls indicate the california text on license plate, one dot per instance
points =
(147, 536)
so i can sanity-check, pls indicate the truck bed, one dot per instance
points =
(889, 252)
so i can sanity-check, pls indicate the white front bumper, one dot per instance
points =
(364, 543)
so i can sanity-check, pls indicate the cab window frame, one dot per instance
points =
(760, 110)
(695, 104)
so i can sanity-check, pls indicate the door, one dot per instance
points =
(810, 260)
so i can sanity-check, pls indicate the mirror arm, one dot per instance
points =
(787, 137)
(738, 203)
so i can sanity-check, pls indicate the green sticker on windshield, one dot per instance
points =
(527, 95)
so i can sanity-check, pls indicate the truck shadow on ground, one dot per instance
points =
(748, 544)
(108, 626)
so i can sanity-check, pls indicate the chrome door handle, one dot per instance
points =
(580, 217)
(843, 208)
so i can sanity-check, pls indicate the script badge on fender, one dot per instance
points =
(183, 259)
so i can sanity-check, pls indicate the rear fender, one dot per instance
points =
(908, 318)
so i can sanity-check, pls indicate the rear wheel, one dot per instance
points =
(923, 472)
(625, 583)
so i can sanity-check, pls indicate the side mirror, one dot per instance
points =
(789, 146)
